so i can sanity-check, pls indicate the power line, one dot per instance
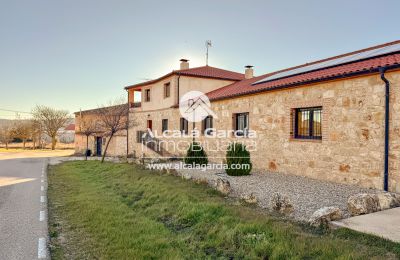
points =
(8, 110)
(15, 118)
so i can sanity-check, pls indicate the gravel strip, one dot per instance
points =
(307, 195)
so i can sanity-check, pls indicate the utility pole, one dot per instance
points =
(208, 45)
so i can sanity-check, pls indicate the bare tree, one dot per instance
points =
(23, 130)
(6, 134)
(36, 133)
(87, 127)
(51, 120)
(113, 119)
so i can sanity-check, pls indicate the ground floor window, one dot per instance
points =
(184, 126)
(164, 126)
(308, 123)
(139, 136)
(241, 121)
(207, 125)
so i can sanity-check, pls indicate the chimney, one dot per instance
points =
(184, 64)
(248, 72)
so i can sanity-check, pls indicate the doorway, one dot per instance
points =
(150, 124)
(99, 143)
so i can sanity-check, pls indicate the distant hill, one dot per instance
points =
(4, 121)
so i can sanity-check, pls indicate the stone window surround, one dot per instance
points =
(234, 114)
(325, 103)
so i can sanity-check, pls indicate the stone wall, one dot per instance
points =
(117, 146)
(352, 146)
(80, 144)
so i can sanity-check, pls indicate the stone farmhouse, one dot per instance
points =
(336, 119)
(97, 140)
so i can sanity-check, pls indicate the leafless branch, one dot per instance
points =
(113, 118)
(51, 121)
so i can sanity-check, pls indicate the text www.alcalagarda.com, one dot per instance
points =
(202, 167)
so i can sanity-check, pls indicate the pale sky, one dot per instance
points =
(74, 54)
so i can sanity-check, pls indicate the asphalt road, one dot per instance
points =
(23, 207)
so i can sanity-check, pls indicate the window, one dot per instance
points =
(207, 125)
(241, 124)
(184, 126)
(167, 90)
(164, 125)
(308, 123)
(147, 95)
(140, 136)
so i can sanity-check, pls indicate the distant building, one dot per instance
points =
(66, 134)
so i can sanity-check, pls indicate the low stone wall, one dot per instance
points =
(290, 196)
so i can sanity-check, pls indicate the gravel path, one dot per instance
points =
(307, 195)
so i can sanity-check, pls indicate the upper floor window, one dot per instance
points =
(184, 126)
(167, 90)
(164, 125)
(147, 95)
(308, 123)
(207, 125)
(241, 121)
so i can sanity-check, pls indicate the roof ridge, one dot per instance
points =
(344, 55)
(333, 57)
(206, 66)
(361, 67)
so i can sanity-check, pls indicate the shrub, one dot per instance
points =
(238, 155)
(196, 155)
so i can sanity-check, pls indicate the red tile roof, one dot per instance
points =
(202, 72)
(371, 65)
(70, 127)
(212, 72)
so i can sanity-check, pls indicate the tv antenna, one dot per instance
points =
(208, 45)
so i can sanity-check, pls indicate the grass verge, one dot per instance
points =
(120, 211)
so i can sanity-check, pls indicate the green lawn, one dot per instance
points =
(120, 211)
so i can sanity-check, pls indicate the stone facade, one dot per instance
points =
(117, 146)
(352, 146)
(186, 84)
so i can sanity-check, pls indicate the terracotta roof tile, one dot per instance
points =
(212, 72)
(245, 87)
(203, 72)
(70, 127)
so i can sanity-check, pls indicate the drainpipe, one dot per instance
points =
(387, 95)
(127, 129)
